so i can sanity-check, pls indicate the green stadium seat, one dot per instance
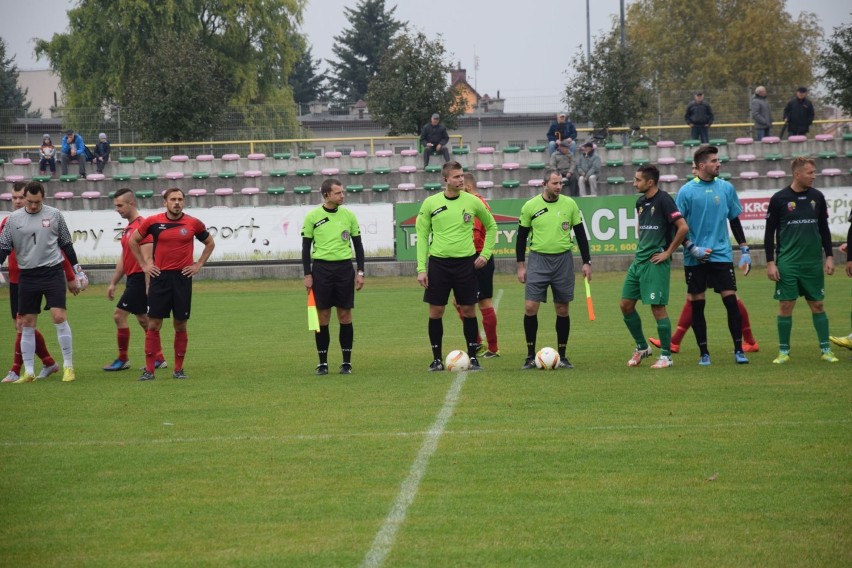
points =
(111, 194)
(380, 187)
(725, 175)
(127, 160)
(381, 171)
(69, 178)
(354, 188)
(432, 169)
(433, 186)
(615, 163)
(718, 142)
(153, 159)
(640, 161)
(849, 154)
(144, 193)
(147, 176)
(773, 157)
(614, 146)
(511, 183)
(723, 158)
(278, 173)
(42, 179)
(827, 154)
(275, 191)
(461, 151)
(356, 171)
(615, 180)
(302, 189)
(2, 161)
(121, 177)
(536, 165)
(307, 155)
(304, 172)
(511, 149)
(537, 149)
(281, 155)
(639, 144)
(692, 143)
(847, 136)
(221, 175)
(199, 175)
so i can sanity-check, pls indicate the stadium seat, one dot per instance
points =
(127, 160)
(22, 161)
(512, 150)
(511, 183)
(179, 158)
(302, 189)
(250, 191)
(307, 155)
(536, 183)
(62, 195)
(433, 186)
(275, 190)
(147, 176)
(230, 157)
(197, 192)
(281, 155)
(776, 174)
(484, 167)
(406, 187)
(278, 173)
(773, 157)
(5, 196)
(200, 175)
(356, 171)
(616, 180)
(333, 155)
(252, 173)
(749, 175)
(174, 175)
(223, 191)
(407, 169)
(380, 187)
(330, 171)
(304, 172)
(536, 165)
(153, 159)
(67, 178)
(831, 172)
(666, 160)
(718, 142)
(746, 157)
(14, 178)
(95, 177)
(121, 177)
(725, 176)
(537, 149)
(354, 188)
(381, 171)
(384, 153)
(432, 169)
(144, 193)
(485, 184)
(226, 175)
(42, 179)
(510, 166)
(668, 178)
(257, 157)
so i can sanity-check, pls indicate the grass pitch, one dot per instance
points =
(254, 461)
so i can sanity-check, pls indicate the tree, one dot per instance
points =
(13, 99)
(307, 84)
(836, 63)
(359, 49)
(607, 91)
(255, 41)
(177, 91)
(411, 84)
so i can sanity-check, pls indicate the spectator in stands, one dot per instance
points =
(588, 169)
(47, 156)
(760, 114)
(102, 150)
(699, 116)
(73, 148)
(561, 129)
(799, 113)
(434, 138)
(563, 162)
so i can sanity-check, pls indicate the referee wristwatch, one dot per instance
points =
(360, 273)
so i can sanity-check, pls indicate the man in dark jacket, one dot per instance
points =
(699, 115)
(799, 113)
(434, 138)
(561, 129)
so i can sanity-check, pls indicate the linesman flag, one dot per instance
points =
(589, 304)
(313, 317)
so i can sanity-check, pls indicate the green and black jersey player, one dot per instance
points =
(447, 259)
(797, 235)
(548, 220)
(329, 235)
(661, 230)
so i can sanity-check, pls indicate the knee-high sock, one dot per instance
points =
(152, 346)
(785, 328)
(18, 360)
(747, 335)
(735, 321)
(123, 338)
(699, 325)
(634, 326)
(684, 322)
(664, 328)
(41, 350)
(563, 330)
(28, 349)
(821, 326)
(489, 322)
(436, 337)
(180, 342)
(470, 327)
(530, 332)
(323, 339)
(66, 343)
(346, 335)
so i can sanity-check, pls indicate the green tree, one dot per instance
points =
(836, 63)
(412, 83)
(305, 80)
(108, 40)
(606, 91)
(360, 48)
(177, 91)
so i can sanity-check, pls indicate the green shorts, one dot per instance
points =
(807, 281)
(649, 282)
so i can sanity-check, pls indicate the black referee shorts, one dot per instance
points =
(456, 274)
(170, 293)
(334, 284)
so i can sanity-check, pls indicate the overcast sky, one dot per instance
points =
(522, 52)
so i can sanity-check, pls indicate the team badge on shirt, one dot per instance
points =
(45, 223)
(344, 235)
(467, 217)
(183, 231)
(566, 225)
(813, 204)
(791, 206)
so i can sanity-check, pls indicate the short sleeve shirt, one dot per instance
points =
(130, 264)
(173, 239)
(797, 215)
(331, 232)
(657, 218)
(707, 206)
(550, 223)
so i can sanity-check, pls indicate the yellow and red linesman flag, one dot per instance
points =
(313, 317)
(589, 303)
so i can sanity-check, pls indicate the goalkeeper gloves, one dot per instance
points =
(700, 254)
(82, 279)
(745, 260)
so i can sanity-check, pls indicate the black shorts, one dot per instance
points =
(456, 274)
(485, 279)
(170, 292)
(334, 284)
(46, 282)
(717, 275)
(134, 300)
(13, 300)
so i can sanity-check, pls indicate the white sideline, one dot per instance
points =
(383, 543)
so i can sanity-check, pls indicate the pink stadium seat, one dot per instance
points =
(5, 197)
(536, 183)
(95, 177)
(484, 167)
(204, 158)
(179, 158)
(775, 174)
(749, 175)
(22, 161)
(797, 139)
(408, 153)
(91, 194)
(333, 154)
(746, 158)
(510, 166)
(831, 172)
(330, 171)
(257, 156)
(485, 184)
(230, 157)
(666, 160)
(406, 187)
(223, 191)
(407, 169)
(250, 191)
(198, 192)
(744, 140)
(485, 150)
(384, 153)
(771, 140)
(668, 178)
(252, 173)
(824, 137)
(64, 195)
(358, 154)
(174, 175)
(13, 179)
(665, 144)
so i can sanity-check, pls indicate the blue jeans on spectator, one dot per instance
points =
(44, 163)
(760, 133)
(701, 133)
(65, 159)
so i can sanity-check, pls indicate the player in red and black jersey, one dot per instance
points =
(170, 271)
(134, 300)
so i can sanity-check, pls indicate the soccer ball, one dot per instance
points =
(547, 358)
(457, 361)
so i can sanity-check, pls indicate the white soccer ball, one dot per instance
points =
(547, 358)
(457, 361)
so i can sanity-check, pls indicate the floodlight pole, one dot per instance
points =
(588, 35)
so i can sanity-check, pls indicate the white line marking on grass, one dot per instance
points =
(351, 435)
(383, 543)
